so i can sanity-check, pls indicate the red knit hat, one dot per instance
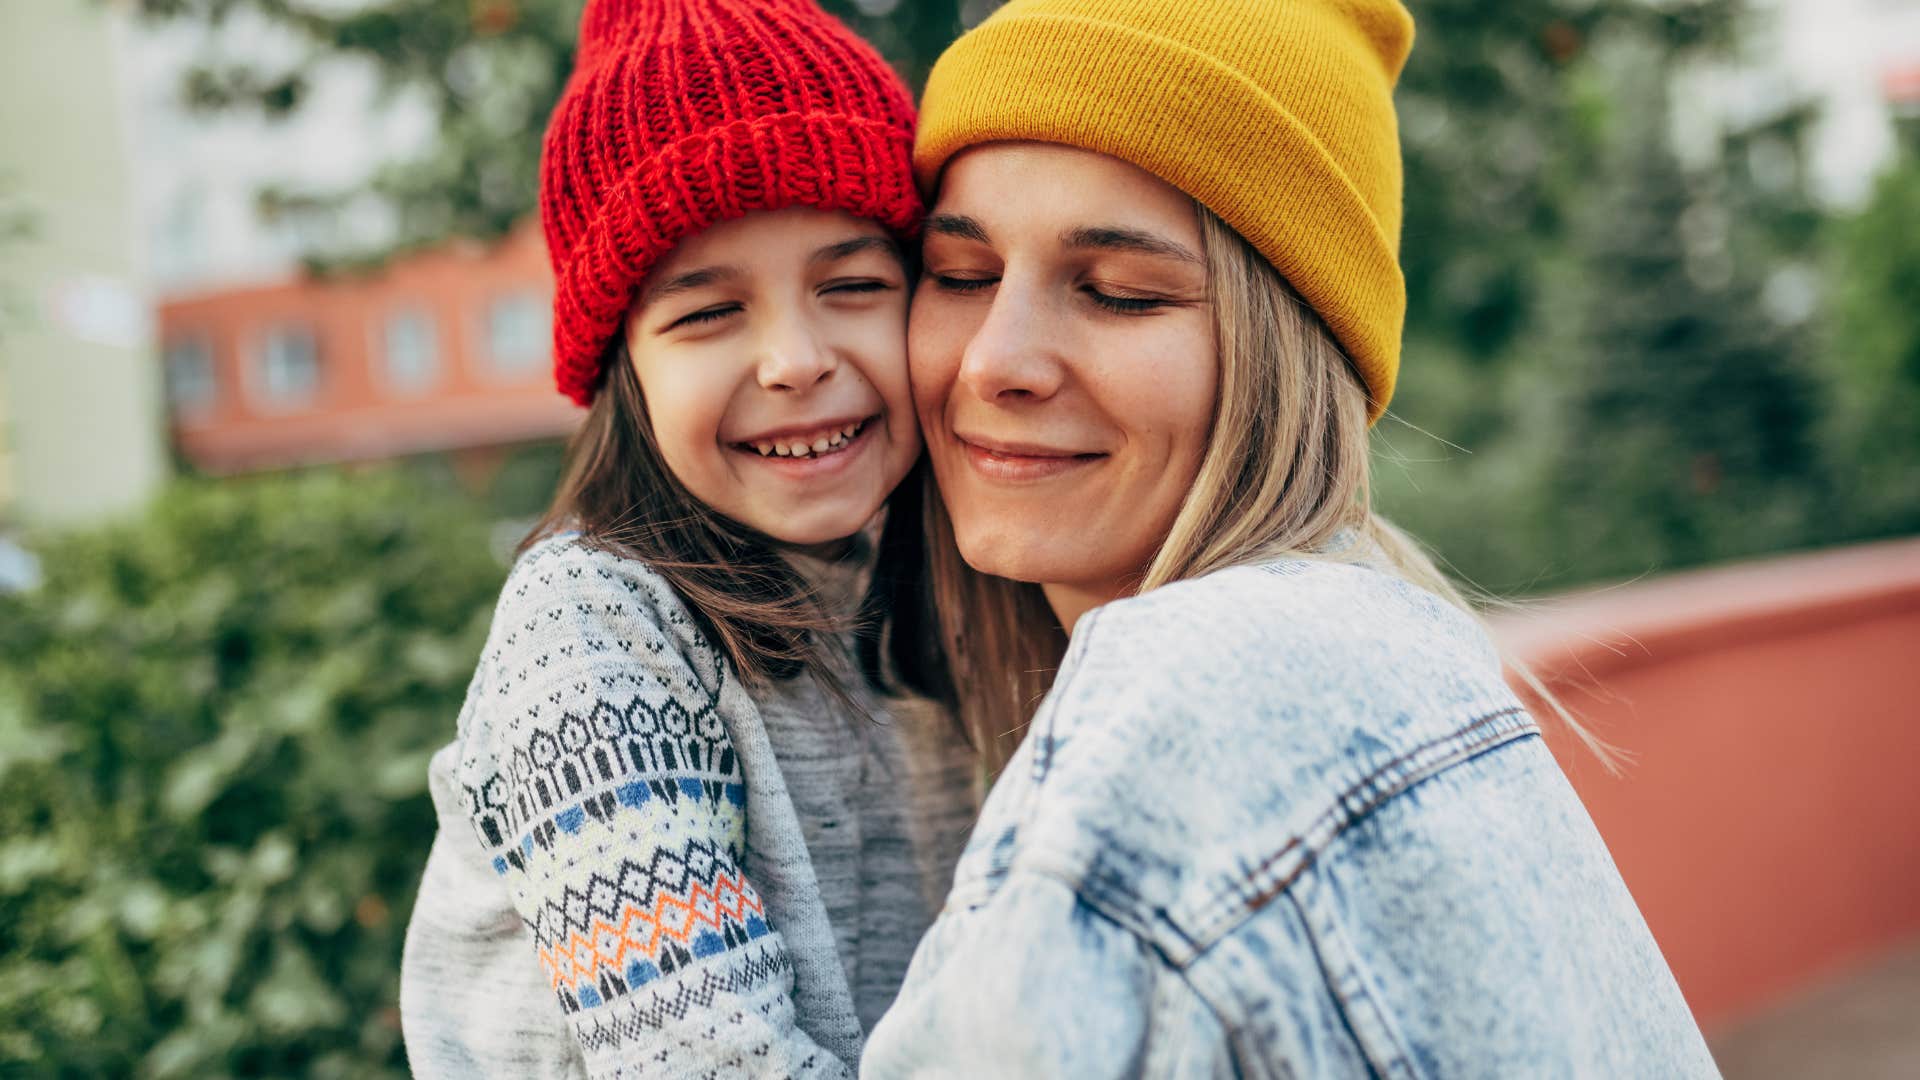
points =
(681, 114)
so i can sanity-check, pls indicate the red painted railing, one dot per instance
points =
(1769, 820)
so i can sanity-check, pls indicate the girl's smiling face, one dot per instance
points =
(771, 351)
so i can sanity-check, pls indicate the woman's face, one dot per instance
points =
(771, 351)
(1064, 364)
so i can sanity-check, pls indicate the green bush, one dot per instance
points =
(214, 732)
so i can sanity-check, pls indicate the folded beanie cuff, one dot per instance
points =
(1197, 124)
(826, 161)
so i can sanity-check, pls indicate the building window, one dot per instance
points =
(191, 390)
(411, 349)
(517, 333)
(289, 372)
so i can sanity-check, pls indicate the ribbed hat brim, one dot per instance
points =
(831, 162)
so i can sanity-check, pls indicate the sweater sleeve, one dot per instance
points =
(473, 1000)
(601, 782)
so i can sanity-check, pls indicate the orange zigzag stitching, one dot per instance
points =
(579, 958)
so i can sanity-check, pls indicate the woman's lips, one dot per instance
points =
(1015, 462)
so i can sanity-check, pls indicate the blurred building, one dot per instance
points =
(1856, 61)
(80, 413)
(439, 350)
(1902, 85)
(267, 365)
(202, 173)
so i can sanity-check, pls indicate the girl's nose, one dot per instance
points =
(794, 359)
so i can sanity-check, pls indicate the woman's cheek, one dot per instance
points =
(933, 352)
(1179, 380)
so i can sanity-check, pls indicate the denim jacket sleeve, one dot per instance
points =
(1034, 981)
(1285, 821)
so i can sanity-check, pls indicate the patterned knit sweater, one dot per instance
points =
(645, 870)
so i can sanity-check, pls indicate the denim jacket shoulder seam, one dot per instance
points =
(1260, 883)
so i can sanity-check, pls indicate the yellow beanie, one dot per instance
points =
(1277, 115)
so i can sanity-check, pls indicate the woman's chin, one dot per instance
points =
(1038, 560)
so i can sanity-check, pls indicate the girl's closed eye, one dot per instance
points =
(711, 314)
(856, 287)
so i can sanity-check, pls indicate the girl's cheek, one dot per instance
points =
(885, 346)
(686, 411)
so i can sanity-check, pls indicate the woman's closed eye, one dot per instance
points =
(1125, 305)
(1117, 302)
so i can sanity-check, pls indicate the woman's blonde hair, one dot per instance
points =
(1285, 469)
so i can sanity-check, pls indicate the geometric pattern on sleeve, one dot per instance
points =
(634, 922)
(624, 754)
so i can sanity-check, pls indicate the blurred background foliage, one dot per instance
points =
(1615, 363)
(214, 722)
(214, 730)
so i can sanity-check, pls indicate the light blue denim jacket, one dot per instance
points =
(1286, 821)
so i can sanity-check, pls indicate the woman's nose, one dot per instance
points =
(1013, 355)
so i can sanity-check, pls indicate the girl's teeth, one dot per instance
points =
(820, 445)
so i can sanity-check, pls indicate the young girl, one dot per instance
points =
(681, 835)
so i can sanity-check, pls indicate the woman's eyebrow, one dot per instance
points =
(959, 225)
(1115, 238)
(836, 252)
(692, 279)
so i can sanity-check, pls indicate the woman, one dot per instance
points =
(1279, 813)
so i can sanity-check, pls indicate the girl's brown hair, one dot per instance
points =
(619, 494)
(1285, 469)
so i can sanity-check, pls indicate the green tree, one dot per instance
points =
(1873, 353)
(1485, 95)
(488, 70)
(1499, 119)
(1688, 431)
(1506, 112)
